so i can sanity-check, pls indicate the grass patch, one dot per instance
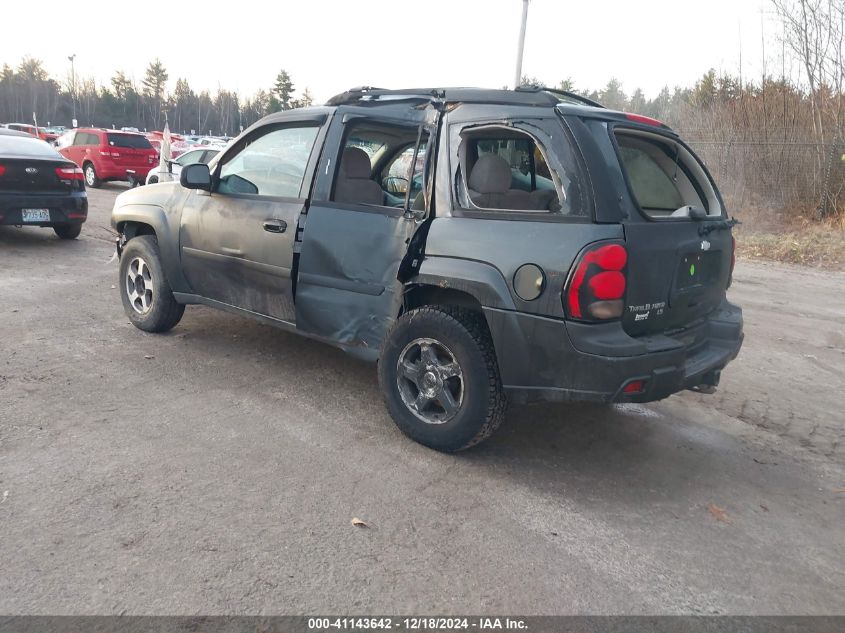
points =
(810, 243)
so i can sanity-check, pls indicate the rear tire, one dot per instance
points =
(147, 298)
(440, 379)
(91, 179)
(68, 231)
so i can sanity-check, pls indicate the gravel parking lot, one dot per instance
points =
(216, 469)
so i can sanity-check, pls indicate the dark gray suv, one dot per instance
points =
(483, 246)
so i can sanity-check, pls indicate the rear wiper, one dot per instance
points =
(721, 225)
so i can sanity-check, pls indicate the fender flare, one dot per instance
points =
(482, 281)
(486, 284)
(166, 234)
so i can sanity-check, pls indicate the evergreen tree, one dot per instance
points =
(154, 82)
(283, 90)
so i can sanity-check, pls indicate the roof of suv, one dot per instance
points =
(527, 96)
(523, 96)
(102, 129)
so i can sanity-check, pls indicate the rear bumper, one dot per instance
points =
(123, 172)
(64, 209)
(543, 360)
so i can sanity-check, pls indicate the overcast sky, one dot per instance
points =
(331, 45)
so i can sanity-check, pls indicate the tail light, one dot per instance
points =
(69, 173)
(645, 120)
(106, 151)
(596, 290)
(2, 169)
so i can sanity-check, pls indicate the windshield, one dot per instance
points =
(129, 140)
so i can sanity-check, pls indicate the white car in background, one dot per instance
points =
(198, 155)
(213, 141)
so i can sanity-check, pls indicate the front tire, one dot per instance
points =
(147, 298)
(68, 231)
(440, 379)
(91, 178)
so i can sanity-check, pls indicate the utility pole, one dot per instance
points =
(72, 84)
(518, 75)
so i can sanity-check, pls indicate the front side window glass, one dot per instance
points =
(271, 165)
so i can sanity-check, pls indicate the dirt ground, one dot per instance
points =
(216, 469)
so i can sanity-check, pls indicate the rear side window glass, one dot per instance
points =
(665, 178)
(129, 140)
(86, 138)
(508, 169)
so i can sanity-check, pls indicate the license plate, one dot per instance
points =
(35, 215)
(699, 269)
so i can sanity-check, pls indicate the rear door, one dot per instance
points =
(356, 232)
(84, 147)
(237, 241)
(679, 241)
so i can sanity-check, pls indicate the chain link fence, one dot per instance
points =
(781, 176)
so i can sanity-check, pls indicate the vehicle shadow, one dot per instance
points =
(592, 449)
(11, 236)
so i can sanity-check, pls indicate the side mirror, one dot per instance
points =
(196, 176)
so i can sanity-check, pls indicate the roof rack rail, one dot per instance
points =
(572, 96)
(367, 93)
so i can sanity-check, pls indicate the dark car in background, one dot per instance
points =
(39, 187)
(105, 155)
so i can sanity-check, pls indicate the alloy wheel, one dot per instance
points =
(430, 380)
(139, 285)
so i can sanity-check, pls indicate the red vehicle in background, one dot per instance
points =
(37, 132)
(178, 145)
(107, 155)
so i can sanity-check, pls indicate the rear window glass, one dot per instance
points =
(665, 178)
(129, 140)
(26, 147)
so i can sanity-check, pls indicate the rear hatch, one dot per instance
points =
(680, 249)
(132, 151)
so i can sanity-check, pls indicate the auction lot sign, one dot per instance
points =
(403, 623)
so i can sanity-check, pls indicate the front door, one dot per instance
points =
(358, 226)
(237, 241)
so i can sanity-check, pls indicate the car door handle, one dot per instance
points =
(275, 226)
(231, 252)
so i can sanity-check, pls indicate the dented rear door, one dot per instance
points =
(347, 289)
